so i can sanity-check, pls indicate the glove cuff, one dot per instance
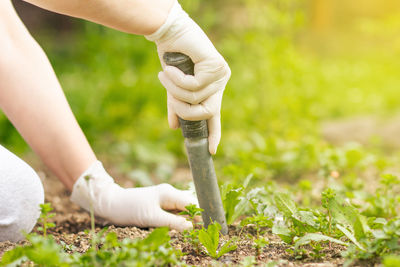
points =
(175, 15)
(89, 185)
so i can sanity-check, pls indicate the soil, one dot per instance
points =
(366, 130)
(71, 222)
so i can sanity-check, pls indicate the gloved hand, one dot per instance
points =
(190, 97)
(142, 207)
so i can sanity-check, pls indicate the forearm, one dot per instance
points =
(32, 99)
(132, 16)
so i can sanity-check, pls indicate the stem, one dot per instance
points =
(257, 244)
(94, 239)
(92, 224)
(330, 227)
(330, 223)
(44, 227)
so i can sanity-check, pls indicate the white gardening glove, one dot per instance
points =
(190, 97)
(142, 207)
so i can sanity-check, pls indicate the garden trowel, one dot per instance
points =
(200, 160)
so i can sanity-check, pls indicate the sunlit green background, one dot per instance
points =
(295, 65)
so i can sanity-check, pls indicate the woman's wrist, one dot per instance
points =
(89, 185)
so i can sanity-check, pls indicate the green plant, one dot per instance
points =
(248, 261)
(298, 221)
(391, 261)
(192, 211)
(45, 215)
(259, 221)
(234, 200)
(210, 239)
(259, 243)
(192, 235)
(105, 249)
(316, 238)
(346, 218)
(327, 196)
(317, 251)
(42, 250)
(154, 250)
(386, 200)
(381, 241)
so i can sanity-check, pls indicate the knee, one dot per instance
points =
(21, 193)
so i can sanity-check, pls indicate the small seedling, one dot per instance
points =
(258, 221)
(210, 237)
(317, 251)
(192, 211)
(248, 261)
(259, 243)
(192, 235)
(327, 196)
(233, 199)
(45, 215)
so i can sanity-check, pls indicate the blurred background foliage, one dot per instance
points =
(295, 65)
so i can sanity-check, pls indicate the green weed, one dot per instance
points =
(106, 250)
(45, 215)
(192, 235)
(210, 239)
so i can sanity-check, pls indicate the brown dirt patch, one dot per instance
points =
(365, 130)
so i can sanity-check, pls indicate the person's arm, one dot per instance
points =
(195, 97)
(132, 16)
(32, 98)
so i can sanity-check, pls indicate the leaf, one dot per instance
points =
(239, 210)
(345, 214)
(283, 232)
(285, 204)
(306, 217)
(389, 179)
(227, 247)
(43, 251)
(111, 240)
(302, 227)
(233, 200)
(391, 261)
(241, 205)
(12, 255)
(158, 237)
(305, 221)
(230, 203)
(247, 180)
(317, 238)
(350, 236)
(191, 210)
(381, 221)
(45, 208)
(209, 238)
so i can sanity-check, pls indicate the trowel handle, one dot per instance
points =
(200, 160)
(190, 129)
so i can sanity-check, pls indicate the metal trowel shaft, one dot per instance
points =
(200, 160)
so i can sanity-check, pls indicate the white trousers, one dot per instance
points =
(21, 193)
